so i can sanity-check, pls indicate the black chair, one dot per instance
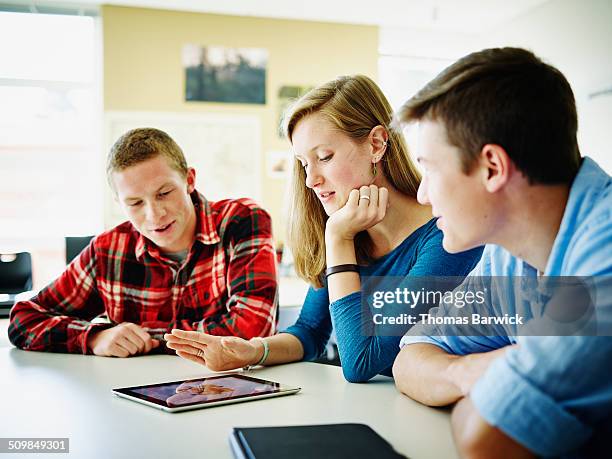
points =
(75, 245)
(15, 278)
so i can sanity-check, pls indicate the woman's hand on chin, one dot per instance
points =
(364, 208)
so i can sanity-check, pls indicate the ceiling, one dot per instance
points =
(467, 16)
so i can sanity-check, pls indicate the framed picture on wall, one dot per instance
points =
(220, 74)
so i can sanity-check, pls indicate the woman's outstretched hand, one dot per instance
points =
(218, 353)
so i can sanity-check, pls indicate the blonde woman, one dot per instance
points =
(354, 214)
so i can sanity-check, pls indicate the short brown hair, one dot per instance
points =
(511, 98)
(142, 144)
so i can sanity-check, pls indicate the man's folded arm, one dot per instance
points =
(422, 372)
(58, 318)
(549, 394)
(476, 438)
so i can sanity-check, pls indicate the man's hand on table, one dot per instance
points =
(123, 340)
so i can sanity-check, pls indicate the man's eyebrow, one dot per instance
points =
(135, 198)
(164, 186)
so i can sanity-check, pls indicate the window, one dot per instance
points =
(50, 166)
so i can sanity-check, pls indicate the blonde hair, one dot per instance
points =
(142, 144)
(354, 105)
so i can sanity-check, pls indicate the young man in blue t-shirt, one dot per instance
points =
(502, 167)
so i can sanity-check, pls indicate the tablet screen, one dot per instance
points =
(201, 391)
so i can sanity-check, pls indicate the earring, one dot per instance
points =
(374, 170)
(385, 143)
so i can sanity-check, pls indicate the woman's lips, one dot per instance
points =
(324, 197)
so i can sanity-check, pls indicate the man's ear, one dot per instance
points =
(496, 167)
(191, 176)
(378, 139)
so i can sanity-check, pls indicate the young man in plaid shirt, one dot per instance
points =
(179, 262)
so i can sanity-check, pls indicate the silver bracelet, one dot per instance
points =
(266, 351)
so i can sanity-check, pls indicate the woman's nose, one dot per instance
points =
(313, 178)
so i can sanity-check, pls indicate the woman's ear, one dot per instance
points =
(378, 140)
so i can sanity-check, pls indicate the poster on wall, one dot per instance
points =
(220, 74)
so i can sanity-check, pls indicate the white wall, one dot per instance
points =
(576, 37)
(573, 35)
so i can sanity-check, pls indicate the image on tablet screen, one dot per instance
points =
(205, 390)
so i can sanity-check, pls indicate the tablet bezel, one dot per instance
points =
(156, 403)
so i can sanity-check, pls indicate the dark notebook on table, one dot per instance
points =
(335, 441)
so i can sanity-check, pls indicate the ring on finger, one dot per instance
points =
(200, 353)
(363, 196)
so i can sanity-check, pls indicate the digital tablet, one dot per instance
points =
(206, 392)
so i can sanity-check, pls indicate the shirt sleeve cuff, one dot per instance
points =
(408, 339)
(507, 400)
(83, 337)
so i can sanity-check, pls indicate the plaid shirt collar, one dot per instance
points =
(206, 229)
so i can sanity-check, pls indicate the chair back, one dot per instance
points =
(15, 272)
(75, 245)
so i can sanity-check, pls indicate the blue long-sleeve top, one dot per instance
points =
(363, 357)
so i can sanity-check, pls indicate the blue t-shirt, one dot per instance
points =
(363, 357)
(552, 394)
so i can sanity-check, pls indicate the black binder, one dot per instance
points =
(337, 441)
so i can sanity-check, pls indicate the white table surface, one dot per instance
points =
(63, 395)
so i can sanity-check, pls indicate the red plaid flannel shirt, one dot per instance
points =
(226, 286)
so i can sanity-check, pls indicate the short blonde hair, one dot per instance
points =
(142, 144)
(354, 105)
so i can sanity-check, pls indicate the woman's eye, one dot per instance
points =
(326, 158)
(134, 204)
(165, 193)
